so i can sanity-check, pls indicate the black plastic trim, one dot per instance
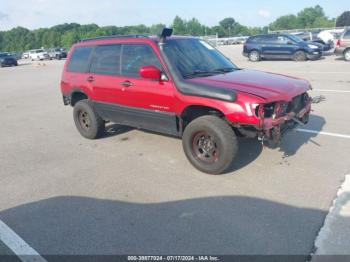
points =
(156, 121)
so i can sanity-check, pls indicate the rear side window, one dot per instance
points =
(271, 39)
(106, 60)
(136, 56)
(347, 35)
(259, 39)
(79, 61)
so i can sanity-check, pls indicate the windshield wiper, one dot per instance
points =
(225, 69)
(200, 73)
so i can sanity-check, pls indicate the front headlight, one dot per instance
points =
(313, 46)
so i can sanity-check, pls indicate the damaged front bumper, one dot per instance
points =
(273, 128)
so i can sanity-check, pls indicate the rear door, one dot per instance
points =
(104, 78)
(77, 71)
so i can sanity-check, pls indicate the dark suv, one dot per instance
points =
(281, 46)
(183, 87)
(7, 60)
(343, 45)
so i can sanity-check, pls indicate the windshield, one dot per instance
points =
(296, 38)
(196, 58)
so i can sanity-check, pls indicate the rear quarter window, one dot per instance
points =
(79, 61)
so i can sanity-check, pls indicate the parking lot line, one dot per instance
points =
(18, 246)
(331, 90)
(322, 133)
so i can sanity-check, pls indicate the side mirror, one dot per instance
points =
(150, 72)
(290, 43)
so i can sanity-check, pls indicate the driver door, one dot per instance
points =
(151, 102)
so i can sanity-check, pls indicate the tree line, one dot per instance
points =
(64, 35)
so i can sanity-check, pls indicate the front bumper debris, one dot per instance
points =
(274, 128)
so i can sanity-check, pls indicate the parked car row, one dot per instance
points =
(45, 54)
(288, 46)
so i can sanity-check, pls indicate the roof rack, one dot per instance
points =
(112, 37)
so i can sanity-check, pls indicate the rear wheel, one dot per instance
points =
(299, 56)
(210, 144)
(347, 55)
(89, 124)
(254, 56)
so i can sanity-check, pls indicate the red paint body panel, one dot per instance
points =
(252, 87)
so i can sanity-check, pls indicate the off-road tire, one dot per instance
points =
(89, 124)
(222, 136)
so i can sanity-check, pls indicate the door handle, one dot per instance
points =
(90, 79)
(127, 84)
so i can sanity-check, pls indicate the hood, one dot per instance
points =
(319, 45)
(269, 86)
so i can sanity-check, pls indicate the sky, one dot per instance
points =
(34, 14)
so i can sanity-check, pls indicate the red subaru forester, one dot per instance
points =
(179, 86)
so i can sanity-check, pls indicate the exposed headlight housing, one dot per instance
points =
(313, 46)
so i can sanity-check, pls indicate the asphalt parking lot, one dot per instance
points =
(134, 192)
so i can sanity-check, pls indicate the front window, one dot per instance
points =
(296, 39)
(135, 56)
(196, 58)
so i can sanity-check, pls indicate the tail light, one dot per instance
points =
(338, 43)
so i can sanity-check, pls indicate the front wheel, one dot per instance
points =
(347, 55)
(299, 56)
(89, 124)
(210, 144)
(254, 56)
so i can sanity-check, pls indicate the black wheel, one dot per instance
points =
(347, 55)
(254, 56)
(299, 56)
(210, 144)
(89, 124)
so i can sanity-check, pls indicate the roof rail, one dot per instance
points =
(112, 37)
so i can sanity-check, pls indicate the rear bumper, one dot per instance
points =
(339, 51)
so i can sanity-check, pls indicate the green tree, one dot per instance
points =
(194, 27)
(156, 29)
(228, 24)
(69, 38)
(343, 19)
(308, 16)
(179, 26)
(285, 22)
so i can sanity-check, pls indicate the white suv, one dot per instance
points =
(38, 54)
